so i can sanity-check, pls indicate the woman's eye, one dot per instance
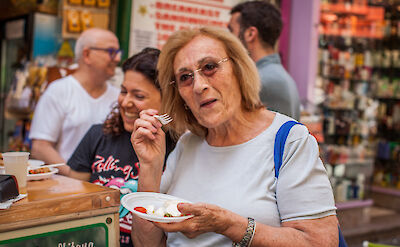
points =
(122, 92)
(185, 77)
(140, 96)
(210, 67)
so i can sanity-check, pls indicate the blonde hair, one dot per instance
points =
(243, 68)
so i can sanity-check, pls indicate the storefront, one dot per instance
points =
(344, 56)
(38, 43)
(357, 93)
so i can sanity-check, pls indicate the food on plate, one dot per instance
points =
(141, 209)
(169, 209)
(39, 170)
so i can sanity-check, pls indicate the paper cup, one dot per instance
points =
(16, 163)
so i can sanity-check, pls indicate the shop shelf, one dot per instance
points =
(386, 197)
(345, 9)
(354, 204)
(386, 190)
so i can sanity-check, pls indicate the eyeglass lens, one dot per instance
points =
(208, 68)
(114, 52)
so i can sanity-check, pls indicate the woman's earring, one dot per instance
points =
(186, 107)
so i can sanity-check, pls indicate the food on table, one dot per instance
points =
(169, 209)
(39, 170)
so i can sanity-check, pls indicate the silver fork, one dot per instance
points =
(164, 119)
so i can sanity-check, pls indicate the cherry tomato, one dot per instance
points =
(141, 209)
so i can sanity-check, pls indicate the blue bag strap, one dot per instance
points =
(342, 242)
(279, 148)
(280, 140)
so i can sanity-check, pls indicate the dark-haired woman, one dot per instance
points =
(105, 155)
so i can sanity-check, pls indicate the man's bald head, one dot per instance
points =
(90, 38)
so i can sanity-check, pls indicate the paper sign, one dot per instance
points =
(153, 21)
(15, 29)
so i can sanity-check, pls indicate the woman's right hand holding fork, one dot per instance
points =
(148, 141)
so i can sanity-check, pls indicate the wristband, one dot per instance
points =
(248, 236)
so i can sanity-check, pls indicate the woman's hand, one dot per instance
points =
(211, 218)
(148, 141)
(207, 218)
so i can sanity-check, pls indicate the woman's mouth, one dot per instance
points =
(207, 102)
(131, 115)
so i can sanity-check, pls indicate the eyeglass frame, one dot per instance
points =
(112, 52)
(223, 60)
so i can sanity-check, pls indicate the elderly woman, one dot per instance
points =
(104, 156)
(224, 164)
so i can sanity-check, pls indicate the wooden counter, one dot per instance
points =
(58, 206)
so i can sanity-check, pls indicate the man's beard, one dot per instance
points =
(241, 37)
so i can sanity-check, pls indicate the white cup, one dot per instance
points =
(16, 163)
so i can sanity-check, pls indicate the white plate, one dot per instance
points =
(40, 176)
(35, 163)
(143, 199)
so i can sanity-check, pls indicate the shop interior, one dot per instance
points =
(354, 112)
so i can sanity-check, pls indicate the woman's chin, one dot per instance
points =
(209, 124)
(210, 121)
(129, 127)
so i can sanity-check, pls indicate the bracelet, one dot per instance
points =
(248, 236)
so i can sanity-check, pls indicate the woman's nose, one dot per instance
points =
(200, 82)
(127, 102)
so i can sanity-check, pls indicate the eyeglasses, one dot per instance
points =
(111, 51)
(207, 68)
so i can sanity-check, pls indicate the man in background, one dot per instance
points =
(70, 105)
(258, 25)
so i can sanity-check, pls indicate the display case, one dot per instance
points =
(28, 47)
(80, 214)
(348, 32)
(386, 181)
(16, 48)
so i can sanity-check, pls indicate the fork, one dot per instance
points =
(164, 119)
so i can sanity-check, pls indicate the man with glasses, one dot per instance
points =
(258, 25)
(70, 105)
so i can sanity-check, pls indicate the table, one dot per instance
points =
(62, 212)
